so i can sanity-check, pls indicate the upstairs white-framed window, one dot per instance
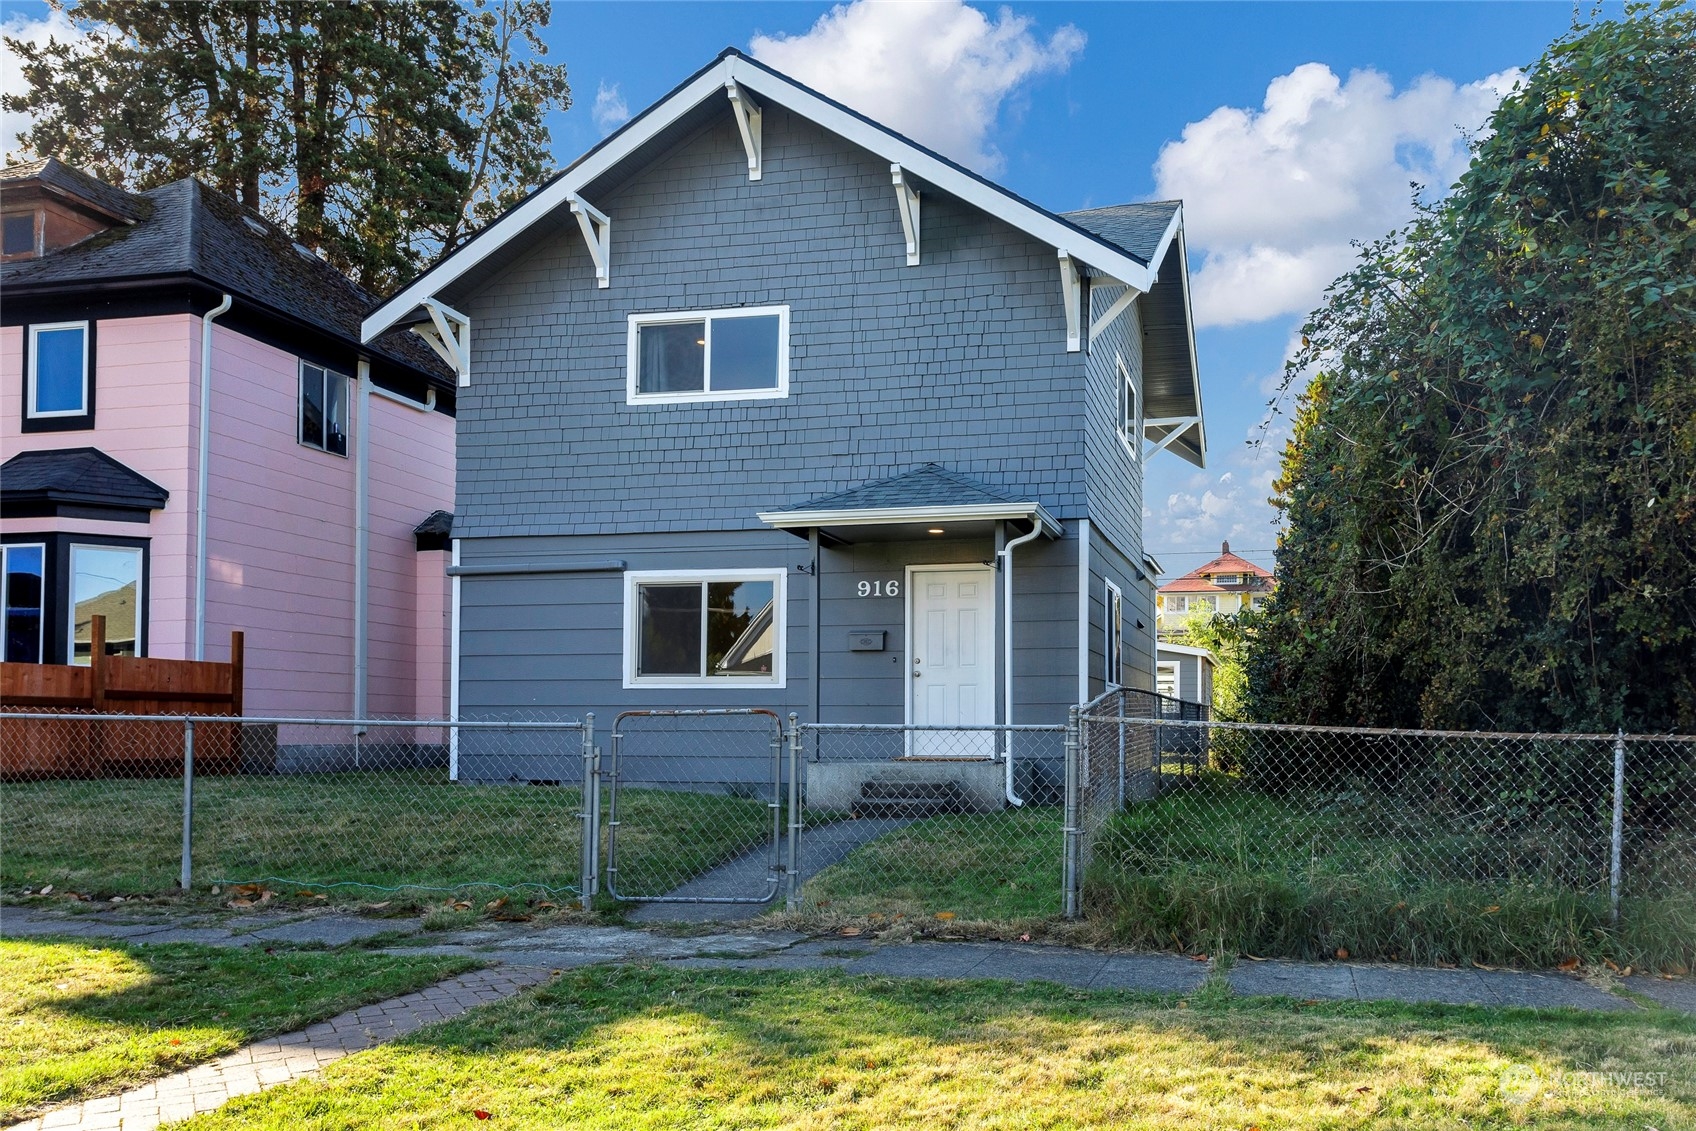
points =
(1129, 422)
(59, 386)
(323, 409)
(708, 355)
(704, 628)
(1114, 646)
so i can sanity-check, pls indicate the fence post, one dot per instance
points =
(1069, 866)
(792, 898)
(589, 871)
(184, 878)
(1618, 837)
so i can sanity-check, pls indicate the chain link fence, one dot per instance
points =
(1407, 844)
(913, 821)
(109, 805)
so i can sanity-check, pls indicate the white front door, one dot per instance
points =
(951, 654)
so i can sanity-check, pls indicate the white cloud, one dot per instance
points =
(610, 111)
(1273, 197)
(938, 71)
(55, 26)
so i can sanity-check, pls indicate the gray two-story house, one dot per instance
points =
(764, 404)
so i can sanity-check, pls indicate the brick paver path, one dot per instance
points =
(279, 1060)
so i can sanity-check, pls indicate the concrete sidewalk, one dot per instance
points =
(521, 956)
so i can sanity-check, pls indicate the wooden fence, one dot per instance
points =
(73, 747)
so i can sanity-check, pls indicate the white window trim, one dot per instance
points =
(29, 404)
(672, 317)
(1177, 670)
(632, 626)
(1130, 431)
(6, 595)
(1114, 593)
(71, 597)
(300, 409)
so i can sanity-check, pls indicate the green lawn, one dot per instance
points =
(663, 1048)
(1215, 866)
(382, 830)
(81, 1019)
(973, 866)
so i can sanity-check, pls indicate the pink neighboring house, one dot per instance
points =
(107, 300)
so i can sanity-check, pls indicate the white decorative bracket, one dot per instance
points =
(748, 116)
(597, 233)
(1120, 305)
(449, 334)
(1071, 293)
(1178, 425)
(907, 200)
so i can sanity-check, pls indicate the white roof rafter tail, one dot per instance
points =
(1120, 305)
(597, 234)
(748, 124)
(1071, 293)
(907, 201)
(449, 334)
(1178, 426)
(770, 88)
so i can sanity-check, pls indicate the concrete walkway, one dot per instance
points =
(522, 955)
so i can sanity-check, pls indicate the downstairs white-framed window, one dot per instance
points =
(1114, 646)
(704, 628)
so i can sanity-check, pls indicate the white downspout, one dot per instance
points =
(1007, 646)
(453, 671)
(362, 545)
(202, 475)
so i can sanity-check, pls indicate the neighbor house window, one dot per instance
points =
(58, 393)
(1166, 679)
(703, 628)
(1129, 421)
(20, 234)
(105, 581)
(21, 591)
(709, 355)
(323, 409)
(1115, 645)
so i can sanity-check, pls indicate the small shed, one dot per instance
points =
(1184, 672)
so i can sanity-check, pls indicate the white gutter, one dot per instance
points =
(1006, 554)
(884, 516)
(362, 545)
(202, 475)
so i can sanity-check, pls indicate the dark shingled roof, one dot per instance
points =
(1134, 229)
(929, 486)
(85, 476)
(55, 174)
(193, 230)
(438, 523)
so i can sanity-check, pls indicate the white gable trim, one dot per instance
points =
(773, 88)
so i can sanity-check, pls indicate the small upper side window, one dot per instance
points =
(709, 355)
(20, 235)
(323, 409)
(1129, 421)
(59, 392)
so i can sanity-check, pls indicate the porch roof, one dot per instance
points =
(925, 502)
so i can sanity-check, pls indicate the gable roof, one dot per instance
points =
(1196, 580)
(1139, 229)
(85, 477)
(1135, 266)
(185, 228)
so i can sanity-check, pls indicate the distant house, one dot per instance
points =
(1227, 584)
(767, 405)
(114, 464)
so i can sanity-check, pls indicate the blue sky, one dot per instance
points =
(1289, 129)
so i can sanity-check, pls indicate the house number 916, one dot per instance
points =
(880, 589)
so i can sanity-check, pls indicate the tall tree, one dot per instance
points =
(1491, 489)
(382, 132)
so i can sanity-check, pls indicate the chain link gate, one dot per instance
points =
(694, 807)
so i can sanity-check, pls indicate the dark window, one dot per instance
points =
(673, 358)
(323, 409)
(20, 234)
(696, 356)
(706, 629)
(23, 590)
